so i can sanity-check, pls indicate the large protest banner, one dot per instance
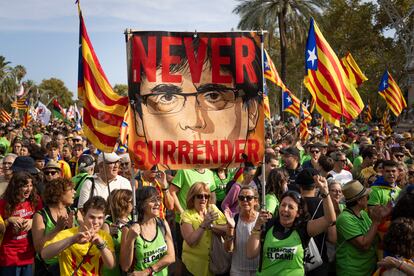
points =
(195, 99)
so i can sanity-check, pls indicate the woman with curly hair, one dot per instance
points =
(53, 218)
(20, 201)
(119, 209)
(276, 185)
(149, 241)
(399, 244)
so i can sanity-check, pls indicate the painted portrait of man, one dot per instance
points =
(196, 98)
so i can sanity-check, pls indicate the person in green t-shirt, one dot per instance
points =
(356, 242)
(276, 185)
(222, 176)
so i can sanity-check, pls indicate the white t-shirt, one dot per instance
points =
(101, 189)
(343, 177)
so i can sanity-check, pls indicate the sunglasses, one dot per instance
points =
(202, 196)
(75, 140)
(411, 173)
(399, 155)
(315, 151)
(51, 173)
(246, 198)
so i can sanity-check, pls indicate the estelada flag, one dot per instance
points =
(5, 116)
(103, 109)
(391, 92)
(335, 96)
(291, 104)
(352, 70)
(197, 100)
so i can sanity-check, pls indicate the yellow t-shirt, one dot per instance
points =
(72, 256)
(196, 258)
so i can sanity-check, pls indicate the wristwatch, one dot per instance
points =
(324, 195)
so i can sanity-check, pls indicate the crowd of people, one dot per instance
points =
(337, 205)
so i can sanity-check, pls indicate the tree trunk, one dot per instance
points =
(282, 34)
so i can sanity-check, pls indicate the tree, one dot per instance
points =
(54, 87)
(291, 17)
(121, 89)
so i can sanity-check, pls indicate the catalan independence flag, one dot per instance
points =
(367, 114)
(266, 104)
(327, 81)
(270, 71)
(5, 116)
(352, 70)
(385, 121)
(303, 125)
(103, 109)
(22, 103)
(389, 90)
(291, 104)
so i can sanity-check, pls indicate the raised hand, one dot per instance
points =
(229, 218)
(134, 231)
(264, 216)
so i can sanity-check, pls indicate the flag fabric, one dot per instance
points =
(43, 113)
(389, 90)
(5, 116)
(123, 134)
(352, 70)
(385, 121)
(27, 118)
(303, 125)
(22, 103)
(266, 104)
(78, 119)
(270, 71)
(327, 81)
(291, 104)
(57, 110)
(367, 114)
(103, 109)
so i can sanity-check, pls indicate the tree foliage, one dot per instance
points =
(54, 87)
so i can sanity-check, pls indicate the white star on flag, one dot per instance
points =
(289, 99)
(312, 56)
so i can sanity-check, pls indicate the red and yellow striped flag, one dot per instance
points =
(291, 104)
(385, 120)
(389, 90)
(352, 70)
(22, 103)
(367, 114)
(326, 80)
(270, 71)
(303, 125)
(5, 116)
(103, 109)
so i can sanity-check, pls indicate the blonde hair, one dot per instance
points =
(196, 189)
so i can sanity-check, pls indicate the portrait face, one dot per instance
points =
(390, 174)
(26, 190)
(194, 111)
(288, 211)
(94, 218)
(51, 174)
(247, 200)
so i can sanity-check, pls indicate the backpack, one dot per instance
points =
(78, 181)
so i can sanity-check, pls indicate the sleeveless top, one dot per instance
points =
(282, 257)
(148, 253)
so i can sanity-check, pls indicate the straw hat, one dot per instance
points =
(354, 190)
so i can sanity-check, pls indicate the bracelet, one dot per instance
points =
(166, 189)
(254, 232)
(324, 195)
(101, 246)
(401, 263)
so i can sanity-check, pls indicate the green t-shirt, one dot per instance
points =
(184, 179)
(349, 259)
(38, 137)
(116, 271)
(148, 253)
(5, 143)
(304, 157)
(221, 184)
(272, 203)
(282, 257)
(381, 195)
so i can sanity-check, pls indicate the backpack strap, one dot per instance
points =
(161, 224)
(92, 187)
(81, 180)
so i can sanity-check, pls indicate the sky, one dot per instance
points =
(42, 35)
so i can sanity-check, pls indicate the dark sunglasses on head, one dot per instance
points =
(51, 173)
(202, 196)
(245, 198)
(293, 194)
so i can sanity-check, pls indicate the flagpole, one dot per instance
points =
(263, 194)
(134, 197)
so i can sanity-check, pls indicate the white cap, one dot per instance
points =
(125, 157)
(109, 157)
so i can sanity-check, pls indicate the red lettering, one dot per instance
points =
(184, 148)
(217, 60)
(212, 152)
(139, 147)
(226, 151)
(167, 60)
(245, 61)
(142, 59)
(197, 151)
(253, 150)
(196, 63)
(238, 150)
(152, 153)
(168, 152)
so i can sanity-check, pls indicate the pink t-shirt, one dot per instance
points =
(17, 248)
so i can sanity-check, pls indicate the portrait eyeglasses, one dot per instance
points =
(161, 103)
(202, 196)
(246, 198)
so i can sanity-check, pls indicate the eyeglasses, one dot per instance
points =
(160, 103)
(334, 191)
(203, 196)
(315, 151)
(124, 164)
(52, 173)
(155, 199)
(112, 163)
(399, 155)
(245, 198)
